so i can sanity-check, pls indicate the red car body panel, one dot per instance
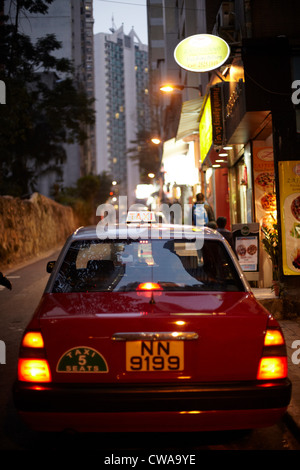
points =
(197, 421)
(230, 332)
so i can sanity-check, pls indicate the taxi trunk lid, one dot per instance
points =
(152, 337)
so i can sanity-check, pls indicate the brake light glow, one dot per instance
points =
(272, 368)
(149, 286)
(33, 339)
(273, 338)
(34, 370)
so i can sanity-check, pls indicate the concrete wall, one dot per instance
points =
(31, 227)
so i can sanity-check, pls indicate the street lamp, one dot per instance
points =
(170, 88)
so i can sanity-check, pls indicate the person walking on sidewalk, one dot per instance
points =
(202, 210)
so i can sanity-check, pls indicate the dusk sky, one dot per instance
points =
(129, 12)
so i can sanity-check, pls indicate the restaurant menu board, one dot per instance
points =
(246, 245)
(264, 187)
(247, 251)
(289, 188)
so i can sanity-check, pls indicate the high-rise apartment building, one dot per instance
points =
(71, 21)
(122, 108)
(170, 21)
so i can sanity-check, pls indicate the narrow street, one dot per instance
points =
(17, 307)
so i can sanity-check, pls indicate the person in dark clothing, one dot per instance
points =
(5, 282)
(221, 223)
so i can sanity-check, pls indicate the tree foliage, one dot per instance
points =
(89, 192)
(145, 153)
(45, 106)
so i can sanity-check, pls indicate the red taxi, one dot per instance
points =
(150, 331)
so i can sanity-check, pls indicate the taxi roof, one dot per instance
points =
(144, 230)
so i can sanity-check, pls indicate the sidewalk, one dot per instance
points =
(291, 331)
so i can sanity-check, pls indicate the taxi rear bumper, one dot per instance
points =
(75, 398)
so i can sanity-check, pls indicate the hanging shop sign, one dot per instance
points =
(205, 130)
(201, 53)
(217, 114)
(289, 189)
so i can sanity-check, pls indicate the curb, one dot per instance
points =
(292, 425)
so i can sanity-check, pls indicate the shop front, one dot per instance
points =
(237, 165)
(251, 171)
(213, 157)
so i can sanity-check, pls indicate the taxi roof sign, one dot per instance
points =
(141, 216)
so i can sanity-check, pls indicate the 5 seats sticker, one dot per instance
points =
(82, 359)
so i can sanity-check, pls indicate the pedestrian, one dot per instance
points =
(221, 228)
(5, 282)
(199, 213)
(202, 211)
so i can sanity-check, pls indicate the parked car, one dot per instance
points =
(150, 330)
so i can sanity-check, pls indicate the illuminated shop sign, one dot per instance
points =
(201, 53)
(289, 183)
(217, 115)
(205, 130)
(264, 186)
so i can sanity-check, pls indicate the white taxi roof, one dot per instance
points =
(144, 223)
(167, 230)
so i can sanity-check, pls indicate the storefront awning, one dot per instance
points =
(189, 118)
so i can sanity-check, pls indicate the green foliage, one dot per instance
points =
(43, 111)
(270, 244)
(84, 198)
(146, 154)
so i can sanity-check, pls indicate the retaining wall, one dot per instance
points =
(31, 227)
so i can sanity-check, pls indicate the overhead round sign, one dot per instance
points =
(201, 53)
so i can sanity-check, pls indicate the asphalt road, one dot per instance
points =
(17, 307)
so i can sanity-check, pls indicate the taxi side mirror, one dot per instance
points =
(50, 266)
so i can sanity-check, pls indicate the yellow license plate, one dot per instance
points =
(144, 356)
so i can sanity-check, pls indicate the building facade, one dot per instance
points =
(72, 24)
(122, 105)
(247, 122)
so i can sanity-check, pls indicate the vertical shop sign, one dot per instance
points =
(205, 130)
(289, 188)
(217, 115)
(264, 186)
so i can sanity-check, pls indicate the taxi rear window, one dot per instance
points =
(122, 265)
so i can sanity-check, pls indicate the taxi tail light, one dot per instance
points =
(273, 363)
(33, 339)
(32, 364)
(272, 368)
(34, 370)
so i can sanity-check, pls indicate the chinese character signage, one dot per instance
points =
(217, 114)
(289, 184)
